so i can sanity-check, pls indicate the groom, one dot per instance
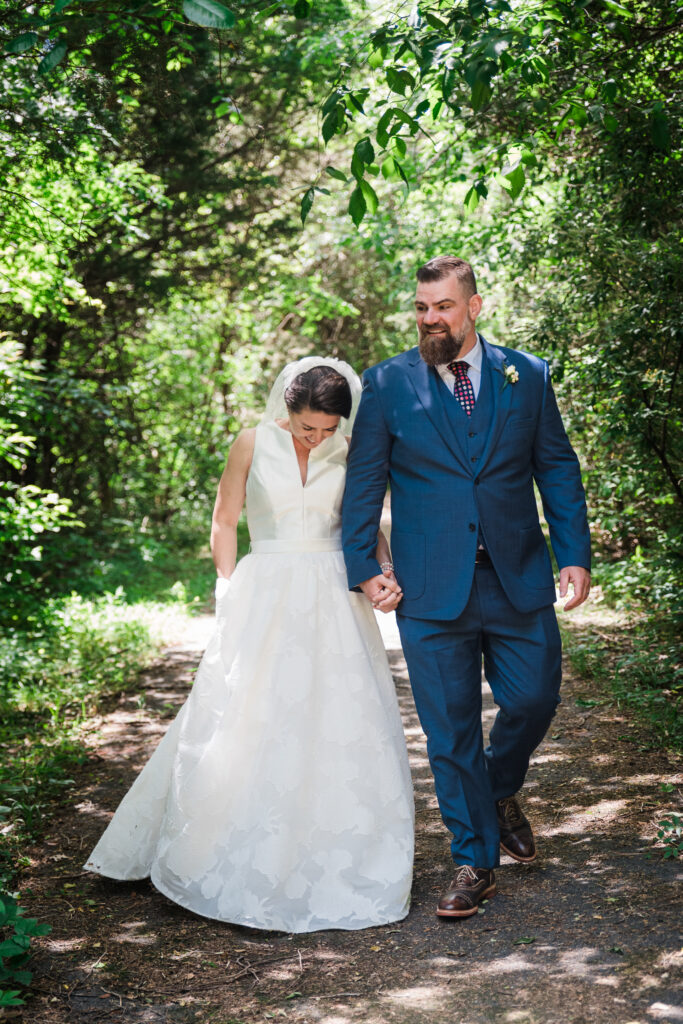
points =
(461, 430)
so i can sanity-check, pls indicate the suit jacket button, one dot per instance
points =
(472, 527)
(476, 480)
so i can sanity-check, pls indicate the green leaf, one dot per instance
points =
(609, 90)
(331, 123)
(435, 22)
(357, 167)
(389, 168)
(331, 102)
(222, 109)
(399, 80)
(471, 200)
(616, 8)
(516, 179)
(525, 940)
(357, 206)
(11, 998)
(382, 131)
(365, 151)
(302, 9)
(61, 5)
(208, 13)
(334, 173)
(306, 203)
(357, 99)
(21, 43)
(370, 196)
(376, 59)
(52, 59)
(481, 94)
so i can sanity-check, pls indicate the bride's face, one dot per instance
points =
(311, 428)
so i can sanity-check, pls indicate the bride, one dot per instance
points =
(280, 797)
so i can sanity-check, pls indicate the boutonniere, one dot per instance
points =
(510, 374)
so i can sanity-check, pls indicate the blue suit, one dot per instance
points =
(458, 483)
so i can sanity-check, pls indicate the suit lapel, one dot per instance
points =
(500, 396)
(426, 385)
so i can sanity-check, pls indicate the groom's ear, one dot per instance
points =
(474, 306)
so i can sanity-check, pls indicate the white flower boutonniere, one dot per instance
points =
(510, 374)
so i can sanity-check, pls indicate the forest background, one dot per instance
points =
(157, 162)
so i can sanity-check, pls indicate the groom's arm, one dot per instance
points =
(558, 476)
(366, 485)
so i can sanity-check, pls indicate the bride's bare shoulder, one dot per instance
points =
(244, 440)
(242, 448)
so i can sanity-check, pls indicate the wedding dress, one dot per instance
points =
(281, 796)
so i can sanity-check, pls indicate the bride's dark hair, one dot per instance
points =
(321, 389)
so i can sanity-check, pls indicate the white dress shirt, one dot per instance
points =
(473, 359)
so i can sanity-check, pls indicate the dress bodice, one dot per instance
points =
(279, 506)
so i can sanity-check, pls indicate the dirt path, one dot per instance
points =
(591, 933)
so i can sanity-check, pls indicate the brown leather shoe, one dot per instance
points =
(516, 837)
(469, 887)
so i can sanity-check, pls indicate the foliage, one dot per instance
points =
(512, 80)
(639, 662)
(27, 512)
(670, 835)
(16, 932)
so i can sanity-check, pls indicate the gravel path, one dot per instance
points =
(590, 933)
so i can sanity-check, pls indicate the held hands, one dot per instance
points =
(581, 581)
(383, 592)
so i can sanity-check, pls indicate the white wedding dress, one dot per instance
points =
(280, 797)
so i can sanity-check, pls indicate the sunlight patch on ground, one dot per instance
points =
(420, 997)
(128, 934)
(510, 964)
(545, 758)
(578, 817)
(62, 945)
(577, 962)
(663, 1011)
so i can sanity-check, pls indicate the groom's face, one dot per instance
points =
(445, 320)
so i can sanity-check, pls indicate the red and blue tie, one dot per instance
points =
(462, 388)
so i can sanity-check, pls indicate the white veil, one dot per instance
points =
(276, 408)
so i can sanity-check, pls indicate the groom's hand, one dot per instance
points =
(383, 592)
(581, 581)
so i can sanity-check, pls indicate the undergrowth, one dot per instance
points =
(641, 662)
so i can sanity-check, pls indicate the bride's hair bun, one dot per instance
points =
(320, 389)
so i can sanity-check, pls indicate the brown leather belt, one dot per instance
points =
(482, 557)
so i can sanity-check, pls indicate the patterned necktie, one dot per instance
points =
(462, 388)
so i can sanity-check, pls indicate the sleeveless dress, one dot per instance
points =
(280, 797)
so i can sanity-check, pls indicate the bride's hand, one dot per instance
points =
(383, 592)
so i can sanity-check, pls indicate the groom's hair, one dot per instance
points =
(442, 266)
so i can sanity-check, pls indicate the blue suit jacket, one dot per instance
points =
(440, 502)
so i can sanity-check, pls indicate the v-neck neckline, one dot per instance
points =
(303, 483)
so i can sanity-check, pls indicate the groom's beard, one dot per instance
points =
(440, 349)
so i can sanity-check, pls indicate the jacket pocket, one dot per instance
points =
(408, 553)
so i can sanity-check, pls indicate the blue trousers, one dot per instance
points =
(522, 664)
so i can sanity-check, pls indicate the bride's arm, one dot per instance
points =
(382, 552)
(229, 501)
